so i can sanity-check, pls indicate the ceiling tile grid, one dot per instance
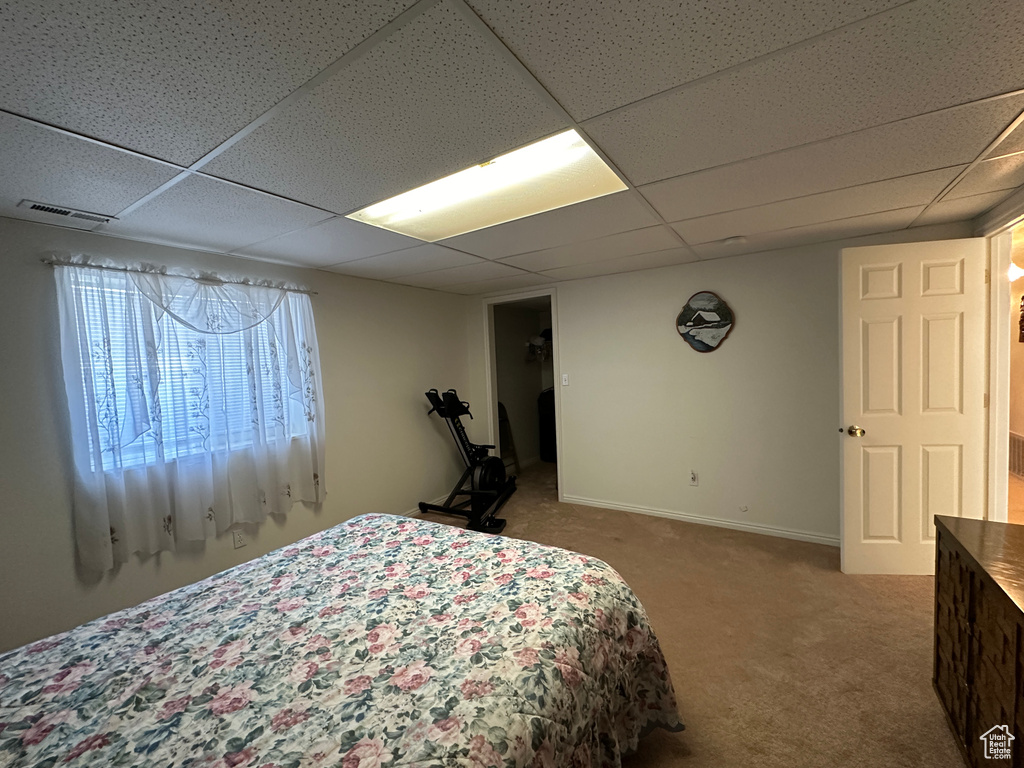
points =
(640, 261)
(597, 56)
(172, 79)
(204, 213)
(411, 261)
(879, 196)
(887, 68)
(471, 273)
(785, 121)
(510, 283)
(1011, 144)
(961, 208)
(927, 142)
(333, 241)
(869, 224)
(47, 166)
(622, 244)
(990, 176)
(429, 100)
(606, 215)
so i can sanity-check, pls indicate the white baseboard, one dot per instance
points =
(767, 530)
(415, 511)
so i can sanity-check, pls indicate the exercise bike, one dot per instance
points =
(488, 486)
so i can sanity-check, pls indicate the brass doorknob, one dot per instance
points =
(855, 431)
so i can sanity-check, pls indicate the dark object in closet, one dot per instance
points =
(1021, 336)
(505, 440)
(546, 413)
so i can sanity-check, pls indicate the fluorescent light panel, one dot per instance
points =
(551, 173)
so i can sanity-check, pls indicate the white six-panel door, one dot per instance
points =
(914, 380)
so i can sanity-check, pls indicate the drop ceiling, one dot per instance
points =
(739, 127)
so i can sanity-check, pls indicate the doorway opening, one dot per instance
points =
(1015, 443)
(522, 370)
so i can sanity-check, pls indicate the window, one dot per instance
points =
(196, 398)
(208, 390)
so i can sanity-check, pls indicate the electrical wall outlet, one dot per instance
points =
(238, 538)
(693, 477)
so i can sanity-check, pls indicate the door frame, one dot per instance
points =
(491, 369)
(999, 339)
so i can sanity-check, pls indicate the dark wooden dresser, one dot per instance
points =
(979, 631)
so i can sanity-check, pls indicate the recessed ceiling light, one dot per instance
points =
(551, 173)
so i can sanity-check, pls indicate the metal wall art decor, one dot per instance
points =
(705, 321)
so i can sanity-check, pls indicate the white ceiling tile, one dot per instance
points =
(330, 242)
(432, 99)
(607, 215)
(936, 140)
(623, 264)
(471, 273)
(204, 213)
(610, 247)
(170, 79)
(1011, 144)
(870, 224)
(596, 56)
(412, 261)
(990, 176)
(920, 57)
(904, 192)
(522, 280)
(51, 167)
(961, 208)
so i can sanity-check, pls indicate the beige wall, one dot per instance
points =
(381, 347)
(757, 418)
(519, 381)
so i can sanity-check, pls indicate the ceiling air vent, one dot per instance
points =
(59, 214)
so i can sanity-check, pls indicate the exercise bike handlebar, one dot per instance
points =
(447, 405)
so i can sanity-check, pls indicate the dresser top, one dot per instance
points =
(997, 548)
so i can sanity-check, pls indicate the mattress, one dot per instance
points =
(383, 641)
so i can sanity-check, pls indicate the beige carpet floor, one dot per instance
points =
(778, 658)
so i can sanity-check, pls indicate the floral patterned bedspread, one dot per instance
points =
(383, 641)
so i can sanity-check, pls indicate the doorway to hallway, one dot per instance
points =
(523, 347)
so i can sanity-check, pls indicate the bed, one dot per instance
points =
(384, 641)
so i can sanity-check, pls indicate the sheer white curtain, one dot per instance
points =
(194, 404)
